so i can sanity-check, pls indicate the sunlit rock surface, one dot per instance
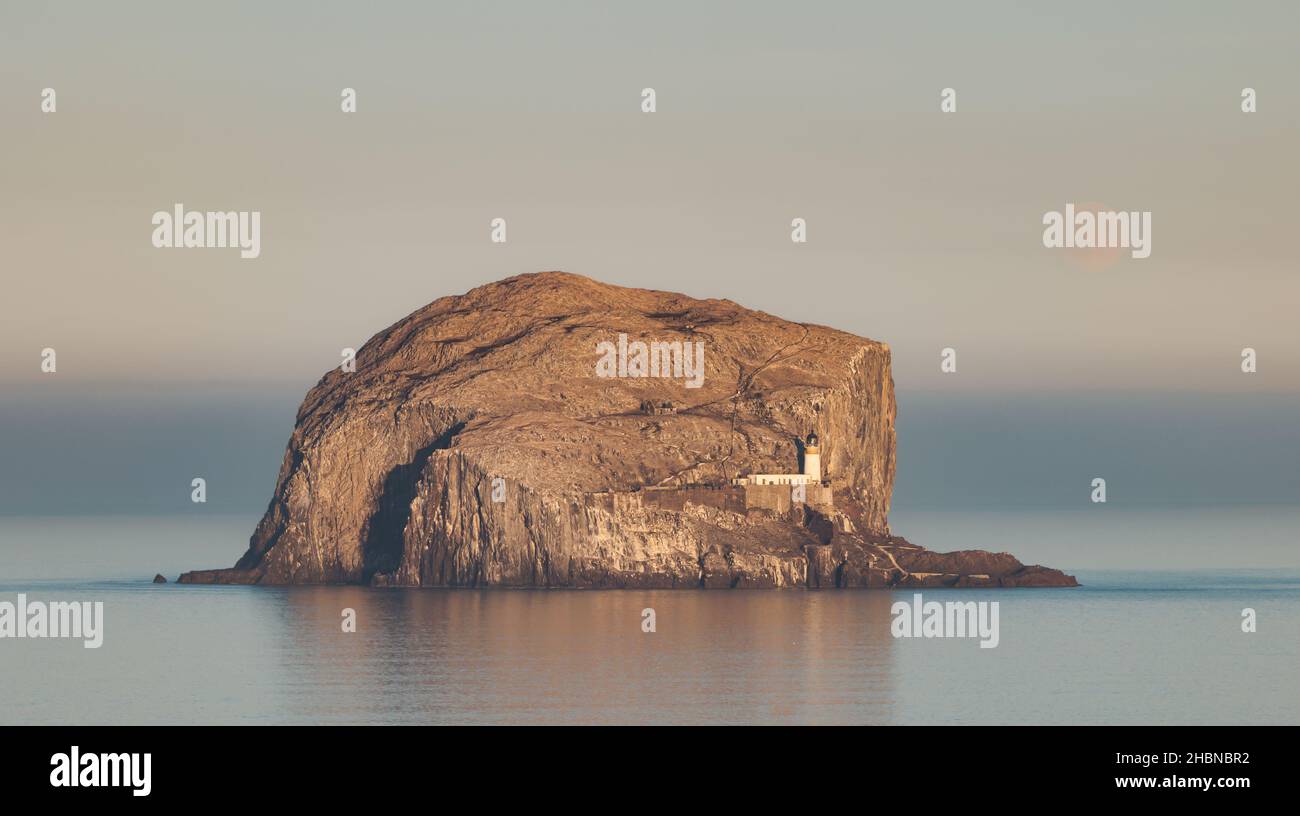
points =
(475, 445)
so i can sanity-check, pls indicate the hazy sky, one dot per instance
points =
(117, 450)
(924, 228)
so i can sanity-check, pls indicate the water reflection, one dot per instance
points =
(1142, 647)
(459, 656)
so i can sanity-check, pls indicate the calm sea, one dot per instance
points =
(1132, 645)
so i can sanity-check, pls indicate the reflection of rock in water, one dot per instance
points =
(581, 657)
(623, 481)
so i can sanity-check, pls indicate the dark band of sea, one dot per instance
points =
(1135, 644)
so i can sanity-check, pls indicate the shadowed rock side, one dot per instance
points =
(475, 445)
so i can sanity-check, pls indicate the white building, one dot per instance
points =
(812, 469)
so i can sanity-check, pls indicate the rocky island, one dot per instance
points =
(549, 430)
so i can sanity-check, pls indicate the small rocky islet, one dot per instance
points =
(549, 430)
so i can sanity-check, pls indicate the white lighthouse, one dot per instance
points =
(812, 459)
(812, 469)
(803, 487)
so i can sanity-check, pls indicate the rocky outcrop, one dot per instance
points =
(476, 444)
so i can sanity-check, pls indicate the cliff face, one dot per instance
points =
(478, 444)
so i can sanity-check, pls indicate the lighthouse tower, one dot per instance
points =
(812, 459)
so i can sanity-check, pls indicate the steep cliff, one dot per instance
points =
(478, 442)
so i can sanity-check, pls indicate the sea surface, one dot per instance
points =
(1132, 645)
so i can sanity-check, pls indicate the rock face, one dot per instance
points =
(477, 444)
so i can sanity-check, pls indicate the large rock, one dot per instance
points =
(475, 445)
